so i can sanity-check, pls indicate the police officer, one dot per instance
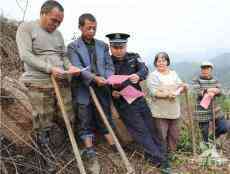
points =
(136, 116)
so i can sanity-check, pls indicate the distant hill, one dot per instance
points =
(187, 70)
(222, 68)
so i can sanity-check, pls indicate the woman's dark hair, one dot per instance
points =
(85, 16)
(49, 5)
(164, 55)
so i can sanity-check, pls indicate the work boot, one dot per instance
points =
(151, 160)
(89, 156)
(43, 140)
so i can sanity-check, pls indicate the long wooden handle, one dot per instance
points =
(191, 123)
(68, 126)
(214, 122)
(129, 167)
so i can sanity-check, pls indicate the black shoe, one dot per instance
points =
(165, 168)
(151, 160)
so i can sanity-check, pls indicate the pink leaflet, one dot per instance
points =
(206, 100)
(130, 94)
(117, 79)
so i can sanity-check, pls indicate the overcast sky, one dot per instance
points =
(187, 28)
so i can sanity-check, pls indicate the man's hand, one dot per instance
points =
(100, 81)
(211, 94)
(58, 72)
(214, 90)
(134, 78)
(185, 86)
(73, 70)
(116, 94)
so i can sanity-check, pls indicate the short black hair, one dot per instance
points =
(165, 55)
(206, 66)
(49, 5)
(85, 16)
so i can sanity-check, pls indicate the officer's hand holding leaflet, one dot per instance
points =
(134, 78)
(116, 94)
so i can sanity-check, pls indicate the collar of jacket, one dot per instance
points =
(123, 59)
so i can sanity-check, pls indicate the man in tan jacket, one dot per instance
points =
(41, 48)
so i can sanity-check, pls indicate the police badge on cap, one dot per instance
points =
(118, 39)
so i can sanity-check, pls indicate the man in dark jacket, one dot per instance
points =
(92, 57)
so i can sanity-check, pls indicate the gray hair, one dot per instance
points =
(165, 55)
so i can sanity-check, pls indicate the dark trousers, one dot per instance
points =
(138, 119)
(168, 132)
(204, 126)
(221, 128)
(87, 116)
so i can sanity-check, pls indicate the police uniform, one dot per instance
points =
(136, 116)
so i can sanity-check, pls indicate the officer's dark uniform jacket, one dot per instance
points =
(131, 64)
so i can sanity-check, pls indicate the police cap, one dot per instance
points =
(118, 39)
